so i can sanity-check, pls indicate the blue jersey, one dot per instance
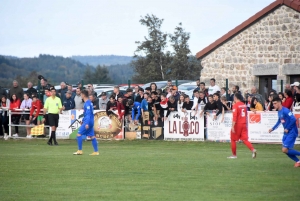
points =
(88, 113)
(136, 108)
(288, 121)
(144, 105)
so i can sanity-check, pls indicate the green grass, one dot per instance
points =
(145, 170)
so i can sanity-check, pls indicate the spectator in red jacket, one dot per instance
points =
(15, 118)
(36, 106)
(288, 99)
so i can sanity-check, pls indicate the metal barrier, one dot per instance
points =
(21, 112)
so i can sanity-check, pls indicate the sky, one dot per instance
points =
(111, 27)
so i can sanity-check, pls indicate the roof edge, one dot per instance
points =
(244, 25)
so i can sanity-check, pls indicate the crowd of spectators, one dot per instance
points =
(138, 102)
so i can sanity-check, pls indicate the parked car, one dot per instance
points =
(109, 92)
(187, 87)
(163, 84)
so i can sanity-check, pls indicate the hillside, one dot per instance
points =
(106, 60)
(54, 68)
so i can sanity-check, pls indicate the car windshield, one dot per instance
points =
(186, 87)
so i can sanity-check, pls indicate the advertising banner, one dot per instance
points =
(184, 127)
(104, 127)
(260, 123)
(218, 130)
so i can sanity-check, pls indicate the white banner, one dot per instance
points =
(218, 130)
(184, 127)
(63, 131)
(260, 123)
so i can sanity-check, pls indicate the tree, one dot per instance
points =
(96, 75)
(151, 60)
(184, 65)
(101, 75)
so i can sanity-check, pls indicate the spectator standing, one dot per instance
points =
(111, 105)
(213, 88)
(169, 85)
(223, 92)
(44, 89)
(30, 89)
(26, 105)
(195, 100)
(180, 104)
(4, 120)
(297, 95)
(209, 106)
(219, 104)
(53, 106)
(62, 91)
(198, 85)
(281, 96)
(129, 94)
(136, 92)
(36, 107)
(187, 105)
(148, 90)
(203, 89)
(175, 93)
(258, 96)
(103, 101)
(70, 88)
(17, 90)
(91, 88)
(95, 101)
(15, 118)
(235, 89)
(293, 87)
(139, 98)
(68, 103)
(270, 106)
(288, 99)
(153, 86)
(172, 106)
(78, 100)
(117, 94)
(256, 105)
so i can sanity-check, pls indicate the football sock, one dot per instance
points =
(248, 144)
(54, 136)
(293, 157)
(233, 148)
(95, 144)
(294, 152)
(79, 142)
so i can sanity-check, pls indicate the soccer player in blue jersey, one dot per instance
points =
(87, 126)
(287, 119)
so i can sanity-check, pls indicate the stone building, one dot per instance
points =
(261, 51)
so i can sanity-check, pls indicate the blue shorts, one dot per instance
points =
(87, 132)
(288, 140)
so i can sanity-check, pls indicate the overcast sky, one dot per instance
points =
(105, 27)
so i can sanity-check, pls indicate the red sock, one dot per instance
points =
(248, 144)
(233, 148)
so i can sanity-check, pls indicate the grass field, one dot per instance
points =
(145, 170)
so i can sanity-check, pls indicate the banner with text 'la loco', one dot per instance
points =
(184, 127)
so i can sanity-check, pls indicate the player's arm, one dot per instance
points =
(234, 117)
(60, 107)
(292, 121)
(132, 113)
(45, 107)
(276, 126)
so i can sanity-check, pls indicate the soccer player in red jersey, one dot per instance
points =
(239, 130)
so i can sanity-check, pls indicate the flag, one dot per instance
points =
(38, 130)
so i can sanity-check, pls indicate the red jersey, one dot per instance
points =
(239, 112)
(120, 107)
(37, 105)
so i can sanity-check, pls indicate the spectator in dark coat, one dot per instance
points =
(17, 90)
(30, 89)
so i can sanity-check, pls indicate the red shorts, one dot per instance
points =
(241, 132)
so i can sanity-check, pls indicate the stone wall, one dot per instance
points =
(269, 47)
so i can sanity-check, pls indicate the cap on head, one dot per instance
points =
(295, 84)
